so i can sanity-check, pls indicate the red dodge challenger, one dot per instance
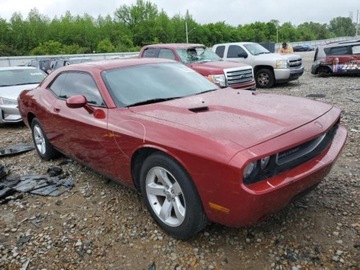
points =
(197, 153)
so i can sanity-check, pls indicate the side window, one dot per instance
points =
(77, 83)
(57, 84)
(220, 51)
(166, 53)
(338, 50)
(234, 51)
(150, 52)
(356, 50)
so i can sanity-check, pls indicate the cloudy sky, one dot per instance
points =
(233, 12)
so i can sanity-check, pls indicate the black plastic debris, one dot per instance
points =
(316, 95)
(16, 149)
(3, 171)
(54, 171)
(44, 185)
(23, 239)
(152, 266)
(6, 191)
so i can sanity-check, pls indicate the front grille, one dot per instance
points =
(238, 76)
(297, 155)
(291, 158)
(295, 63)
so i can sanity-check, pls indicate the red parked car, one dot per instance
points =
(196, 152)
(204, 61)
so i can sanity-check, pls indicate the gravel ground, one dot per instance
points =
(100, 224)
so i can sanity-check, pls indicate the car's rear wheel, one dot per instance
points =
(171, 197)
(324, 71)
(43, 147)
(264, 78)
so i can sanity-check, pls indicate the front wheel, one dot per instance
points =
(264, 78)
(43, 147)
(171, 197)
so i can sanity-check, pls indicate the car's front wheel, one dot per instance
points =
(43, 147)
(264, 78)
(171, 197)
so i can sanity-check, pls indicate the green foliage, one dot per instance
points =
(105, 46)
(142, 23)
(7, 51)
(50, 47)
(342, 26)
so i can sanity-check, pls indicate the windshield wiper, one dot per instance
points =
(262, 53)
(149, 101)
(25, 83)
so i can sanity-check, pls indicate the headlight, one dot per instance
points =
(8, 101)
(218, 79)
(259, 169)
(264, 162)
(249, 169)
(281, 64)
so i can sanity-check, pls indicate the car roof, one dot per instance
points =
(341, 43)
(237, 43)
(175, 45)
(116, 63)
(17, 67)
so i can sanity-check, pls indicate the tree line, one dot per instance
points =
(133, 26)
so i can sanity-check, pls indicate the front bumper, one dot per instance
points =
(245, 86)
(286, 75)
(250, 204)
(9, 114)
(314, 68)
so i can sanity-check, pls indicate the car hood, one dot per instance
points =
(242, 117)
(12, 92)
(216, 67)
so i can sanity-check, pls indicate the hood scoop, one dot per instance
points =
(199, 109)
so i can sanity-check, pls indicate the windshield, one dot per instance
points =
(148, 83)
(12, 77)
(197, 54)
(255, 48)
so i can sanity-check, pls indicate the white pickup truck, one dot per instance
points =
(269, 68)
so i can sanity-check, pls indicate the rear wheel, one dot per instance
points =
(264, 78)
(43, 147)
(171, 197)
(324, 71)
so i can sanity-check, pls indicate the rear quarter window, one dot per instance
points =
(150, 53)
(356, 50)
(342, 50)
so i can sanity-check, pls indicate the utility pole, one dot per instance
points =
(357, 22)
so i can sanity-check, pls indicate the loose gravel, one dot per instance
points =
(99, 224)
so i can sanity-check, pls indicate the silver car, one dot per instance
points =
(12, 81)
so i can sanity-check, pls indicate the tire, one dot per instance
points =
(171, 197)
(43, 147)
(324, 71)
(264, 78)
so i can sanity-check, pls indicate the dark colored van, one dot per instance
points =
(337, 58)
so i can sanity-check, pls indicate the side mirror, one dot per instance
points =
(76, 102)
(242, 55)
(79, 101)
